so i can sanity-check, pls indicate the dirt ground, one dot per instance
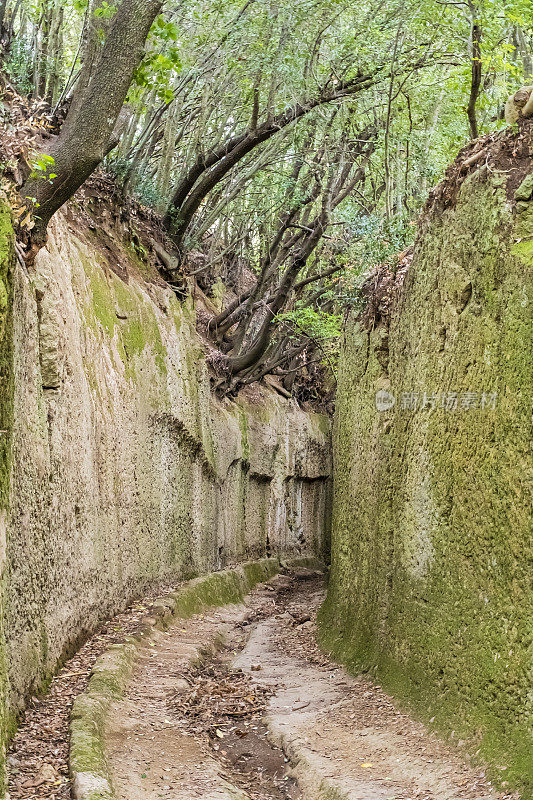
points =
(265, 715)
(153, 753)
(38, 753)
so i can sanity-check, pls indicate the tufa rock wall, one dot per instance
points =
(125, 471)
(7, 264)
(431, 535)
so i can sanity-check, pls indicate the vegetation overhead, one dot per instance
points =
(287, 148)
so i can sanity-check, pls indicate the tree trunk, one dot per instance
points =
(6, 28)
(167, 157)
(3, 6)
(209, 170)
(43, 59)
(251, 356)
(54, 60)
(90, 44)
(129, 135)
(36, 56)
(525, 54)
(86, 133)
(476, 80)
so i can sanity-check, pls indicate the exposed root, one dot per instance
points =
(506, 152)
(382, 289)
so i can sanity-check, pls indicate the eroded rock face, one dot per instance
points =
(431, 537)
(7, 264)
(125, 470)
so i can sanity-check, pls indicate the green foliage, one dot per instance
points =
(42, 166)
(376, 240)
(164, 30)
(148, 193)
(323, 328)
(317, 324)
(105, 11)
(161, 64)
(160, 68)
(17, 65)
(214, 69)
(216, 58)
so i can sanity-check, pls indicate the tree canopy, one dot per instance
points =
(291, 143)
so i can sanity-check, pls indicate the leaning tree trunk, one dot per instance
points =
(475, 86)
(54, 55)
(237, 363)
(3, 27)
(85, 137)
(209, 170)
(94, 29)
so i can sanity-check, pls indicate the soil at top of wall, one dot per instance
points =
(506, 152)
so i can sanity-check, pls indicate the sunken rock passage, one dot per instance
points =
(241, 703)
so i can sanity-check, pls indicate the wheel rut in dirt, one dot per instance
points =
(266, 715)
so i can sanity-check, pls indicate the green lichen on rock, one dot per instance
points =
(6, 347)
(88, 763)
(221, 588)
(525, 190)
(258, 571)
(243, 423)
(202, 593)
(431, 559)
(120, 310)
(87, 756)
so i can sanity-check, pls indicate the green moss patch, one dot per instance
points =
(120, 311)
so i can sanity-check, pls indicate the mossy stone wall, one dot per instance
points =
(431, 581)
(126, 472)
(6, 424)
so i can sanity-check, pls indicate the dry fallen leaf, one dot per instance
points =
(46, 774)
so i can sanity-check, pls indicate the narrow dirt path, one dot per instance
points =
(268, 716)
(37, 760)
(152, 752)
